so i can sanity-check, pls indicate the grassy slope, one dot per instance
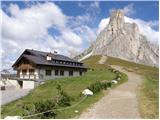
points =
(73, 86)
(149, 91)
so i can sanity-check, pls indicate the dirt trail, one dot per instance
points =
(120, 102)
(102, 60)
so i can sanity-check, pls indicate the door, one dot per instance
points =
(20, 84)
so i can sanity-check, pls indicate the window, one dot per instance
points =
(48, 72)
(24, 72)
(31, 71)
(56, 72)
(61, 73)
(80, 73)
(71, 73)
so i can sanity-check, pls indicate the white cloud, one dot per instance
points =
(86, 33)
(127, 10)
(95, 4)
(154, 24)
(79, 20)
(91, 13)
(103, 23)
(80, 4)
(14, 9)
(144, 27)
(28, 28)
(71, 37)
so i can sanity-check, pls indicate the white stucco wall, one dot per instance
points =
(28, 84)
(12, 83)
(36, 72)
(76, 73)
(66, 74)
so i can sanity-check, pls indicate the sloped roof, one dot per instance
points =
(39, 58)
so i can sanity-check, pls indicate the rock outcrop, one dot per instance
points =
(124, 40)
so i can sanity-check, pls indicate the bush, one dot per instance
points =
(63, 98)
(119, 75)
(111, 69)
(109, 84)
(104, 85)
(95, 87)
(28, 109)
(44, 106)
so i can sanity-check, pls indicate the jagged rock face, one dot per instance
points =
(85, 52)
(123, 40)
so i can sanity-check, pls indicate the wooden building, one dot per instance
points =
(37, 66)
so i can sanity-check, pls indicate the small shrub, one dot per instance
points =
(111, 69)
(44, 106)
(109, 84)
(117, 72)
(28, 109)
(95, 87)
(64, 99)
(59, 88)
(119, 75)
(104, 85)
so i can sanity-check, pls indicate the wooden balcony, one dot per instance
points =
(30, 76)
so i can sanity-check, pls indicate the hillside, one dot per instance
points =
(149, 90)
(73, 86)
(148, 93)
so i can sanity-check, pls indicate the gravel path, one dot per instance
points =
(11, 94)
(120, 102)
(102, 60)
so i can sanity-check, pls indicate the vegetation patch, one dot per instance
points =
(149, 90)
(64, 92)
(148, 98)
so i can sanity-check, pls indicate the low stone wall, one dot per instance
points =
(28, 84)
(10, 82)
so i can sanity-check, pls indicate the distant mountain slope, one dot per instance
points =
(124, 40)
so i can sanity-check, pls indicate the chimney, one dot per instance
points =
(48, 58)
(55, 52)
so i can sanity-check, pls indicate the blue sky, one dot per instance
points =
(68, 27)
(150, 9)
(145, 10)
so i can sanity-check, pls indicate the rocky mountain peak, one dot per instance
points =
(116, 19)
(116, 23)
(124, 40)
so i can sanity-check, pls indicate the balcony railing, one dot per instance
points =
(30, 76)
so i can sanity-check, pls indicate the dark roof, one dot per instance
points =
(39, 58)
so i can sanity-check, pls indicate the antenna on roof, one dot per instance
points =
(55, 52)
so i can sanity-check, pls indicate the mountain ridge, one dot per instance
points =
(123, 40)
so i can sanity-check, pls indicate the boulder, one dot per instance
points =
(87, 92)
(114, 81)
(12, 117)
